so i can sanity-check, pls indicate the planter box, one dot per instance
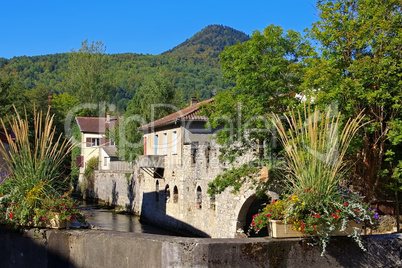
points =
(277, 229)
(55, 223)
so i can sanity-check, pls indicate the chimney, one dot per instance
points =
(108, 117)
(193, 101)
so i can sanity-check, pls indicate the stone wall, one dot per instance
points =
(87, 249)
(179, 201)
(117, 189)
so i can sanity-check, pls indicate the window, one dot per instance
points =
(175, 195)
(156, 144)
(164, 142)
(112, 142)
(199, 198)
(174, 142)
(157, 191)
(94, 142)
(194, 148)
(167, 193)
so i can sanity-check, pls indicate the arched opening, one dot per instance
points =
(157, 191)
(251, 206)
(167, 193)
(175, 194)
(199, 198)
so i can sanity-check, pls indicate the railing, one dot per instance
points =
(151, 161)
(121, 166)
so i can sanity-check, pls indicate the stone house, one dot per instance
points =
(94, 143)
(180, 159)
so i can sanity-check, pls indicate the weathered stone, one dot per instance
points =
(85, 248)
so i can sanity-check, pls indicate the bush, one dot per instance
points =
(35, 167)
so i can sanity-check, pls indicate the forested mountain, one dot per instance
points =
(192, 68)
(209, 42)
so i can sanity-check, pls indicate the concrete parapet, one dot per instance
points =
(89, 248)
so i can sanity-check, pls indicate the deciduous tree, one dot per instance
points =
(359, 66)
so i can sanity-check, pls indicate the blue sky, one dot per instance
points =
(149, 27)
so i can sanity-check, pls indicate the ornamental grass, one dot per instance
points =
(34, 161)
(315, 146)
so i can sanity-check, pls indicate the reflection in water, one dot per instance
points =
(109, 220)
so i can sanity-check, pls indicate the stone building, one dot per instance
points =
(180, 159)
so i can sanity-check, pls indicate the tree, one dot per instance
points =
(359, 67)
(12, 94)
(263, 72)
(152, 101)
(88, 78)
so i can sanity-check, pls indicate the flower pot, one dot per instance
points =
(349, 229)
(58, 224)
(278, 229)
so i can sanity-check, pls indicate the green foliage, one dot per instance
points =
(358, 67)
(315, 146)
(119, 76)
(87, 77)
(209, 42)
(262, 70)
(12, 93)
(34, 163)
(315, 214)
(152, 101)
(234, 177)
(90, 166)
(75, 170)
(61, 207)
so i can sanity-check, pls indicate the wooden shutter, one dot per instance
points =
(79, 161)
(88, 141)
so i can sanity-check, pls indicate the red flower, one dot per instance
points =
(356, 210)
(308, 190)
(317, 216)
(10, 216)
(314, 227)
(331, 205)
(269, 215)
(302, 230)
(336, 217)
(345, 204)
(0, 195)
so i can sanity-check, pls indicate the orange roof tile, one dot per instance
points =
(188, 113)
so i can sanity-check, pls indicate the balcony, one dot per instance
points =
(153, 165)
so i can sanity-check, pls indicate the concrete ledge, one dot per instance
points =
(89, 248)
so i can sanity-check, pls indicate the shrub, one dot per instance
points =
(34, 162)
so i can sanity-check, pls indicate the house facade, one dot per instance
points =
(94, 143)
(180, 159)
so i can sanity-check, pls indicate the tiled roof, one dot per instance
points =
(95, 124)
(191, 112)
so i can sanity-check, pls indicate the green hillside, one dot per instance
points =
(192, 67)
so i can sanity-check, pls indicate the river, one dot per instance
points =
(108, 219)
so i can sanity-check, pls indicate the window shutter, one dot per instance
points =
(103, 142)
(88, 142)
(79, 160)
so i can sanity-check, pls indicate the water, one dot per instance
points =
(107, 219)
